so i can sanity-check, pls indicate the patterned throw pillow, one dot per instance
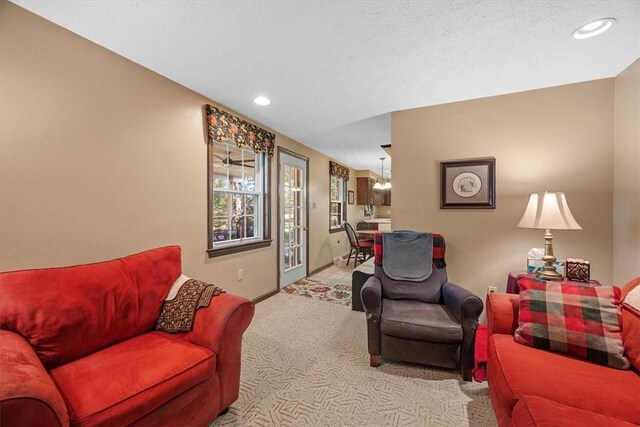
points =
(583, 321)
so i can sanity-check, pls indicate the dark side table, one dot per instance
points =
(358, 278)
(513, 287)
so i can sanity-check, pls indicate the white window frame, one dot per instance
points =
(342, 191)
(261, 223)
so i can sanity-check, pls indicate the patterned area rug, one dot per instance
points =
(339, 293)
(305, 363)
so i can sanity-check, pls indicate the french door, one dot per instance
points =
(293, 228)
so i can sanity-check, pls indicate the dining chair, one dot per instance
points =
(360, 248)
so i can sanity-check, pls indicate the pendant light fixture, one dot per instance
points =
(379, 185)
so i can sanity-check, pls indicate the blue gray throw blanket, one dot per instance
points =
(407, 255)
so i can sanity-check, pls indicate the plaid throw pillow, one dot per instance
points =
(578, 320)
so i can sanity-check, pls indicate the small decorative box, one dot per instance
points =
(535, 265)
(578, 270)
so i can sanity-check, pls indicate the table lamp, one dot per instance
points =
(548, 211)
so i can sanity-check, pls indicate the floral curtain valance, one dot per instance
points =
(225, 127)
(336, 169)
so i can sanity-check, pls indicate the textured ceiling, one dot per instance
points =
(334, 70)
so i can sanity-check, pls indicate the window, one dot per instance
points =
(239, 195)
(337, 205)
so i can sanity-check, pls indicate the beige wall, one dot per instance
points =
(626, 214)
(100, 158)
(556, 139)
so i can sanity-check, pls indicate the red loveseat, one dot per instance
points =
(532, 387)
(78, 347)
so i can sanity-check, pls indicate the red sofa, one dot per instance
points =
(532, 387)
(78, 346)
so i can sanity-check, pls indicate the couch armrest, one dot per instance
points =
(502, 313)
(466, 307)
(371, 295)
(219, 327)
(28, 395)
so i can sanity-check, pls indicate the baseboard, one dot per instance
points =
(324, 267)
(319, 269)
(265, 296)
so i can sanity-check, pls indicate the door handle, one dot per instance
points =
(305, 228)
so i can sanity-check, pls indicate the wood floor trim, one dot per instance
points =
(265, 296)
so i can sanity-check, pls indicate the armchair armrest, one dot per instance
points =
(502, 313)
(219, 327)
(466, 307)
(371, 295)
(463, 304)
(28, 395)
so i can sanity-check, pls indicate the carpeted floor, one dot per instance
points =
(305, 363)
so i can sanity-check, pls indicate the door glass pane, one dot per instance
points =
(294, 257)
(298, 235)
(287, 175)
(287, 237)
(287, 258)
(299, 217)
(293, 216)
(299, 178)
(298, 197)
(287, 197)
(299, 254)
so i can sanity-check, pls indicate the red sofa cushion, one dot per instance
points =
(583, 321)
(66, 313)
(516, 370)
(540, 412)
(126, 381)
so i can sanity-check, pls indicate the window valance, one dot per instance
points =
(336, 169)
(225, 127)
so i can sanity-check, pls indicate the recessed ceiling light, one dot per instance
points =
(261, 100)
(594, 28)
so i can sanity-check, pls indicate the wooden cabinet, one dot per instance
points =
(367, 195)
(365, 191)
(386, 197)
(378, 197)
(382, 197)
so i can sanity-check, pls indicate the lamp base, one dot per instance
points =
(549, 270)
(550, 275)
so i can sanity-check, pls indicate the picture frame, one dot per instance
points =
(468, 184)
(350, 197)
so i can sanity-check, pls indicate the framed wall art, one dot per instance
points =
(350, 197)
(468, 184)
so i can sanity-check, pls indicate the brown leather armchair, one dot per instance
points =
(432, 322)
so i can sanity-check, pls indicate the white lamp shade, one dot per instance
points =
(377, 186)
(386, 185)
(548, 211)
